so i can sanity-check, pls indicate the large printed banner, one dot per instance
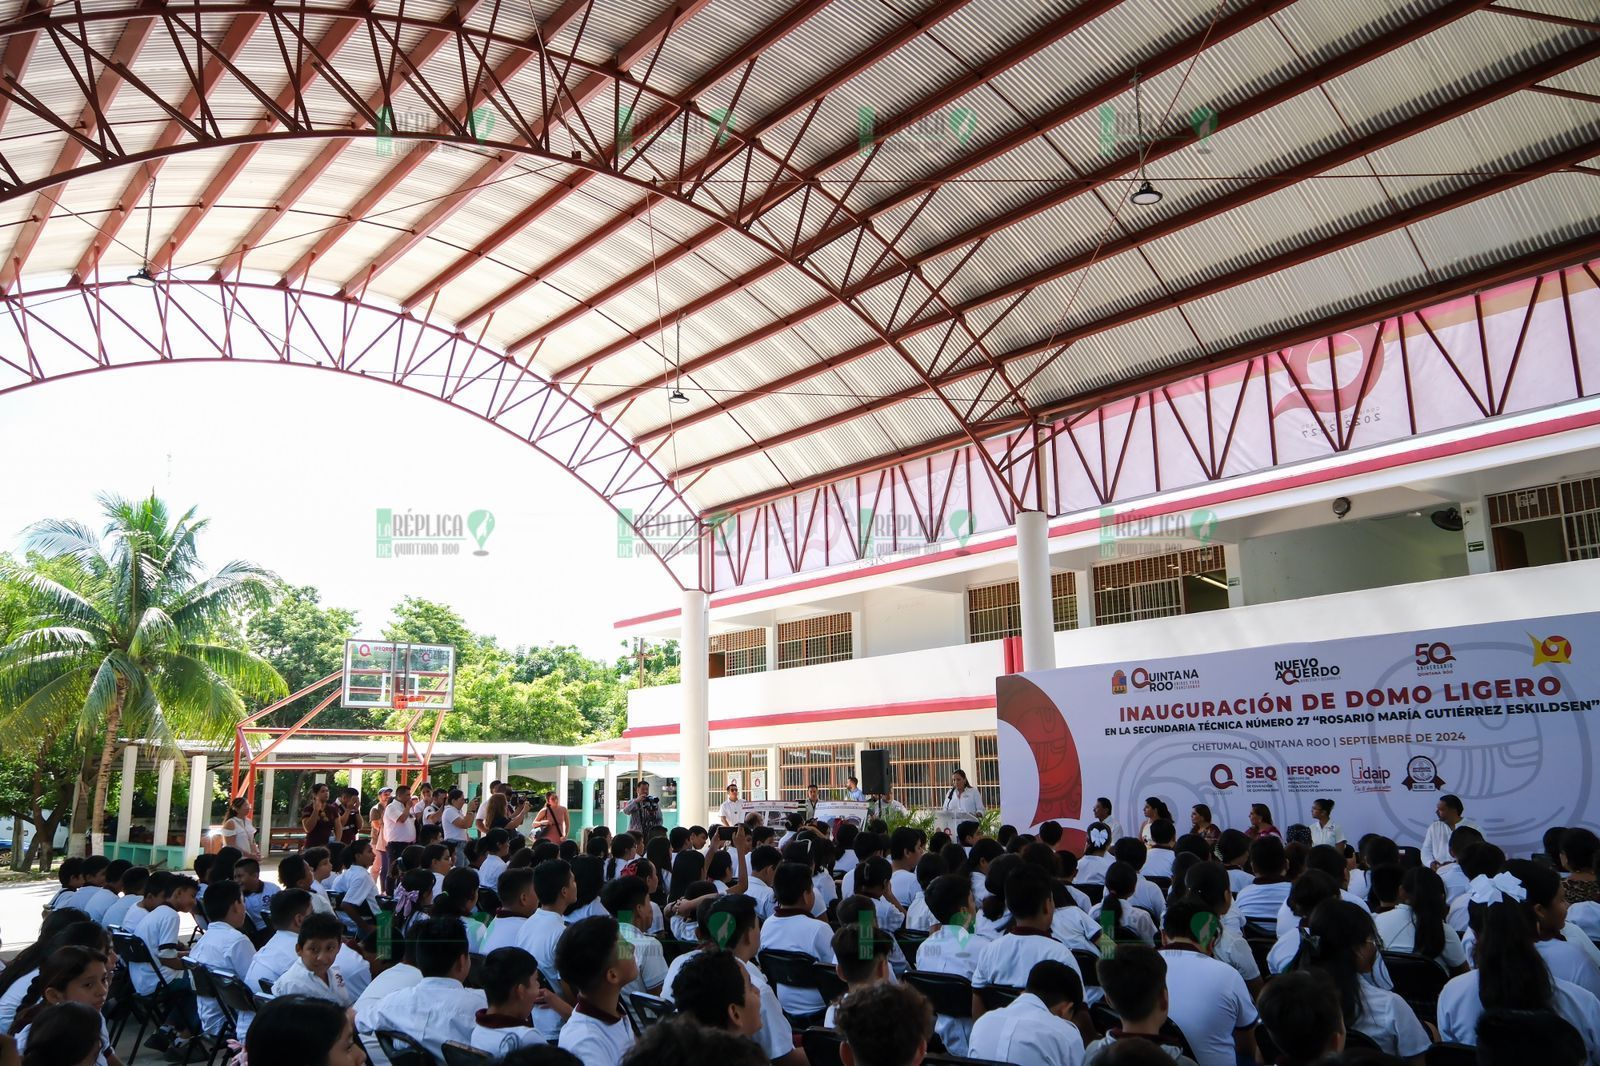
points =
(1503, 714)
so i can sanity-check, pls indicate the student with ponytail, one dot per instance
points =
(992, 916)
(1545, 905)
(460, 900)
(70, 975)
(1207, 883)
(1341, 941)
(414, 898)
(1127, 921)
(1092, 867)
(1417, 923)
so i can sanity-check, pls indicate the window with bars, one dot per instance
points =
(823, 765)
(810, 641)
(995, 610)
(986, 773)
(920, 769)
(744, 652)
(1546, 524)
(1152, 586)
(739, 760)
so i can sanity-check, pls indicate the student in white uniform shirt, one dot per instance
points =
(596, 962)
(792, 928)
(907, 846)
(1094, 863)
(951, 948)
(94, 898)
(1323, 829)
(438, 1008)
(1301, 1012)
(884, 1025)
(1147, 895)
(494, 846)
(1342, 942)
(355, 881)
(133, 884)
(71, 977)
(70, 874)
(1545, 906)
(1454, 876)
(1436, 841)
(1261, 899)
(1007, 961)
(223, 948)
(512, 985)
(1207, 998)
(716, 991)
(861, 960)
(1418, 924)
(1117, 900)
(764, 862)
(517, 903)
(866, 845)
(983, 853)
(1208, 882)
(1035, 1027)
(289, 909)
(1309, 892)
(257, 893)
(1159, 856)
(556, 889)
(1134, 981)
(627, 899)
(313, 973)
(919, 917)
(1328, 860)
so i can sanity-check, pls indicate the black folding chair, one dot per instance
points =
(205, 986)
(149, 1008)
(1452, 1055)
(1418, 980)
(910, 940)
(950, 994)
(672, 947)
(996, 997)
(402, 1050)
(957, 1060)
(458, 1054)
(1163, 883)
(233, 995)
(643, 1010)
(795, 969)
(828, 982)
(474, 971)
(822, 1046)
(1088, 965)
(1094, 892)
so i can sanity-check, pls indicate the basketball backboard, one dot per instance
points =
(376, 670)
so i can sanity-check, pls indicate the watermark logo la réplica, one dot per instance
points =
(1161, 534)
(431, 534)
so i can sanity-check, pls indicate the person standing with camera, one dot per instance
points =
(552, 820)
(643, 811)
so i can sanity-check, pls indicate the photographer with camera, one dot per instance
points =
(643, 811)
(552, 820)
(504, 810)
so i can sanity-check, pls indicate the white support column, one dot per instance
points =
(774, 773)
(967, 747)
(608, 813)
(503, 768)
(858, 637)
(1235, 575)
(389, 775)
(464, 783)
(164, 771)
(1033, 580)
(194, 832)
(264, 813)
(130, 773)
(694, 738)
(1083, 582)
(356, 781)
(1475, 533)
(490, 773)
(772, 651)
(563, 783)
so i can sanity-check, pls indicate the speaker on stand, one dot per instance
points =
(875, 776)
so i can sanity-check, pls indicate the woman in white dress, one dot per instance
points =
(239, 831)
(962, 803)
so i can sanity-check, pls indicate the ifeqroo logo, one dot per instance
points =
(432, 534)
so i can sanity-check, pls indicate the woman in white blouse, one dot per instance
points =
(962, 803)
(239, 831)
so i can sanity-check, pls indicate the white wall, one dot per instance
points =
(1364, 554)
(902, 619)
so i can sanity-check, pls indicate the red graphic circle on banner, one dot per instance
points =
(1027, 709)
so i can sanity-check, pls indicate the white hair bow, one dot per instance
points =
(1497, 889)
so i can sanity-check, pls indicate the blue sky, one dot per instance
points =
(292, 466)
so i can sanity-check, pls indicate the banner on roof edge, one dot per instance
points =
(1502, 714)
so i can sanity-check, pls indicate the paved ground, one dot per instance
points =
(20, 913)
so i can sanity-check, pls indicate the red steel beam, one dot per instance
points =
(1041, 39)
(239, 33)
(18, 50)
(491, 171)
(664, 114)
(106, 85)
(720, 154)
(1264, 268)
(1337, 157)
(1555, 257)
(1302, 82)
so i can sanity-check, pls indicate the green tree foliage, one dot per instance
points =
(304, 642)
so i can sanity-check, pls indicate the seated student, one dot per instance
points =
(764, 862)
(1207, 999)
(792, 928)
(413, 900)
(1208, 881)
(289, 909)
(159, 931)
(71, 974)
(968, 834)
(1135, 984)
(1342, 942)
(993, 918)
(66, 1034)
(597, 963)
(1514, 1037)
(1383, 888)
(1117, 911)
(729, 924)
(312, 973)
(155, 892)
(257, 893)
(1158, 861)
(459, 900)
(493, 848)
(919, 918)
(1097, 839)
(1455, 879)
(438, 860)
(1261, 899)
(1418, 925)
(1331, 861)
(589, 873)
(873, 880)
(306, 1031)
(357, 885)
(1372, 851)
(1479, 860)
(715, 990)
(512, 985)
(70, 874)
(93, 897)
(1035, 1027)
(439, 1007)
(319, 868)
(1312, 889)
(397, 972)
(517, 903)
(628, 901)
(63, 928)
(1546, 909)
(1302, 1013)
(907, 846)
(202, 872)
(885, 1025)
(556, 889)
(863, 846)
(979, 858)
(297, 871)
(224, 947)
(1233, 851)
(861, 958)
(1009, 960)
(951, 948)
(1132, 851)
(132, 886)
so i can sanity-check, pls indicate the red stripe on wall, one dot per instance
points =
(835, 714)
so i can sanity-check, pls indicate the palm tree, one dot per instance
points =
(124, 638)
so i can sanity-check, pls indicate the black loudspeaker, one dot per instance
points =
(875, 771)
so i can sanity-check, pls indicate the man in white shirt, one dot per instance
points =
(1323, 829)
(1207, 998)
(1102, 813)
(1436, 842)
(223, 948)
(1034, 1027)
(792, 928)
(438, 1008)
(1007, 961)
(557, 889)
(728, 813)
(598, 964)
(399, 832)
(457, 820)
(355, 881)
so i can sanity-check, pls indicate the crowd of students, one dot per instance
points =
(1202, 949)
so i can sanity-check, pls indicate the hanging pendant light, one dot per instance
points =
(1146, 195)
(142, 277)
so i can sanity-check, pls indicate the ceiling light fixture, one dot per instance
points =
(142, 277)
(677, 396)
(1146, 195)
